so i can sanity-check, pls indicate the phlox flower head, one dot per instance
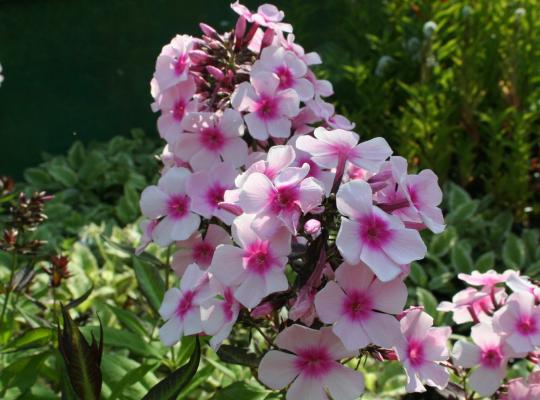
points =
(372, 236)
(256, 268)
(311, 364)
(199, 250)
(170, 202)
(267, 15)
(421, 348)
(172, 65)
(488, 355)
(470, 305)
(269, 109)
(181, 307)
(358, 305)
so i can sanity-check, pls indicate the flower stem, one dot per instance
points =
(9, 286)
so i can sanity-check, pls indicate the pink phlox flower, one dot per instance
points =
(358, 305)
(486, 279)
(170, 160)
(519, 283)
(488, 355)
(174, 104)
(267, 15)
(312, 364)
(372, 236)
(172, 65)
(289, 44)
(269, 109)
(330, 148)
(421, 348)
(199, 250)
(288, 67)
(323, 88)
(181, 306)
(147, 230)
(302, 124)
(521, 389)
(472, 305)
(207, 190)
(256, 268)
(210, 138)
(219, 315)
(280, 201)
(519, 321)
(169, 201)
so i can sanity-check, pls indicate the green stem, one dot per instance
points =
(9, 287)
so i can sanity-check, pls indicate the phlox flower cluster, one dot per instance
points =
(282, 218)
(506, 329)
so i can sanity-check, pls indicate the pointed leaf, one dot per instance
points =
(150, 282)
(237, 355)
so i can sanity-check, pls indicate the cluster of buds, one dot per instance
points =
(279, 212)
(7, 185)
(59, 270)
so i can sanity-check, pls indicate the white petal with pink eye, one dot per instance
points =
(277, 369)
(329, 303)
(280, 157)
(355, 199)
(389, 297)
(192, 322)
(243, 97)
(242, 232)
(276, 281)
(216, 235)
(231, 123)
(383, 266)
(414, 384)
(344, 383)
(352, 334)
(370, 154)
(348, 241)
(427, 188)
(212, 318)
(280, 243)
(227, 264)
(265, 82)
(332, 343)
(483, 334)
(203, 159)
(169, 128)
(291, 176)
(434, 375)
(171, 331)
(153, 202)
(519, 343)
(382, 329)
(256, 126)
(193, 277)
(251, 291)
(311, 193)
(304, 388)
(162, 234)
(321, 152)
(304, 89)
(235, 152)
(256, 193)
(181, 259)
(170, 302)
(415, 324)
(174, 180)
(405, 246)
(221, 335)
(186, 146)
(433, 218)
(288, 338)
(289, 105)
(354, 277)
(279, 127)
(435, 343)
(183, 228)
(486, 381)
(466, 354)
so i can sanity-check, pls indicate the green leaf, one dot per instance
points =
(485, 262)
(533, 271)
(82, 359)
(150, 283)
(513, 252)
(170, 386)
(129, 320)
(64, 174)
(37, 177)
(441, 244)
(457, 196)
(418, 275)
(79, 300)
(127, 340)
(132, 377)
(76, 155)
(428, 300)
(441, 280)
(241, 391)
(32, 338)
(145, 256)
(463, 212)
(237, 355)
(461, 258)
(22, 373)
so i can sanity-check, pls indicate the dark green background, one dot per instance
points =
(80, 69)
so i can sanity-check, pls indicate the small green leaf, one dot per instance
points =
(442, 243)
(243, 391)
(127, 340)
(485, 262)
(170, 387)
(457, 196)
(441, 280)
(37, 177)
(426, 299)
(79, 300)
(150, 282)
(461, 258)
(418, 275)
(129, 320)
(132, 377)
(463, 212)
(64, 174)
(236, 355)
(533, 271)
(82, 359)
(146, 257)
(76, 155)
(513, 252)
(32, 338)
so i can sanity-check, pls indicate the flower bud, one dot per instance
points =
(313, 228)
(215, 72)
(208, 31)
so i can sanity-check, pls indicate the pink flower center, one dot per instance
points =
(258, 258)
(526, 325)
(374, 231)
(203, 253)
(180, 64)
(267, 107)
(215, 194)
(212, 139)
(179, 110)
(285, 198)
(286, 78)
(178, 206)
(314, 362)
(491, 357)
(227, 304)
(357, 306)
(185, 304)
(415, 352)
